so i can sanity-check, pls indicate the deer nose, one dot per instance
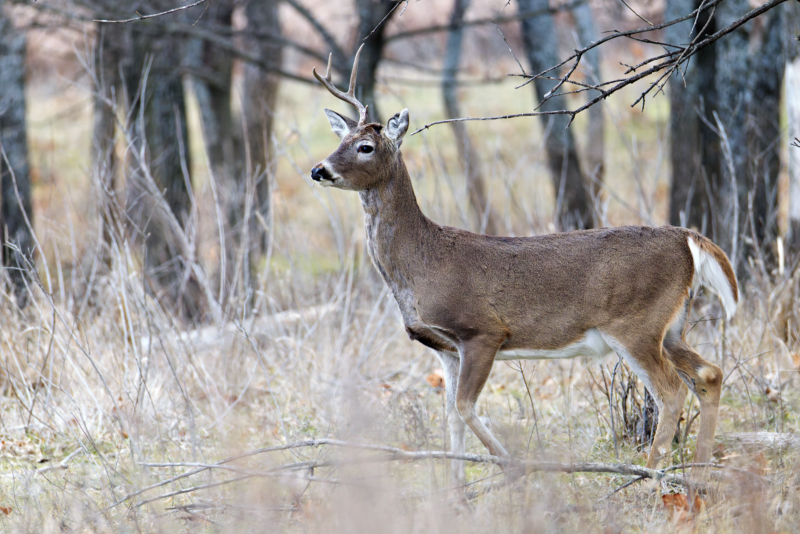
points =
(319, 173)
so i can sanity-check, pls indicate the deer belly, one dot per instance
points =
(591, 345)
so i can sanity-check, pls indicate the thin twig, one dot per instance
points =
(635, 13)
(521, 68)
(389, 14)
(154, 15)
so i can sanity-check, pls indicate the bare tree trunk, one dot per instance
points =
(258, 105)
(162, 210)
(763, 132)
(370, 14)
(587, 33)
(14, 181)
(212, 76)
(692, 144)
(108, 52)
(212, 72)
(731, 85)
(466, 152)
(791, 12)
(573, 203)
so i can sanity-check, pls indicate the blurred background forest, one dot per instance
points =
(174, 286)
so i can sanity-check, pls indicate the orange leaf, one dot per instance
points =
(796, 360)
(436, 379)
(679, 510)
(5, 510)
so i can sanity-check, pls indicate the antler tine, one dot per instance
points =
(362, 109)
(328, 70)
(349, 96)
(354, 72)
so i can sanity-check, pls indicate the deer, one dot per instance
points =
(476, 299)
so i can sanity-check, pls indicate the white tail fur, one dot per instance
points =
(708, 272)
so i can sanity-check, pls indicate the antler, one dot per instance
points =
(349, 96)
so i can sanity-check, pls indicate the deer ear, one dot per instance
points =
(341, 126)
(397, 127)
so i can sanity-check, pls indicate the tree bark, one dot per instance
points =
(587, 33)
(14, 180)
(108, 52)
(161, 207)
(258, 105)
(693, 146)
(791, 12)
(468, 158)
(763, 133)
(212, 76)
(371, 14)
(573, 203)
(731, 82)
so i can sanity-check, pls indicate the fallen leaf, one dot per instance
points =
(679, 508)
(436, 378)
(796, 360)
(5, 510)
(772, 394)
(498, 388)
(759, 464)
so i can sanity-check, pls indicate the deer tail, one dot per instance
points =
(713, 270)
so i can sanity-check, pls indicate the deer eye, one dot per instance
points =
(365, 149)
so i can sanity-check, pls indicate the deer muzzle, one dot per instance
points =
(319, 173)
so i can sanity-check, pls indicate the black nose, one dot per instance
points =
(319, 173)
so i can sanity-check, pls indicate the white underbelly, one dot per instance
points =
(591, 345)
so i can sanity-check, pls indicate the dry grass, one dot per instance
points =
(94, 394)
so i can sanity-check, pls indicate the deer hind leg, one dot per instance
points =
(477, 357)
(663, 383)
(450, 365)
(670, 407)
(705, 381)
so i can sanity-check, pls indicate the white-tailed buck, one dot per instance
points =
(475, 299)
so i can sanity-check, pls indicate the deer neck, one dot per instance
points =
(394, 223)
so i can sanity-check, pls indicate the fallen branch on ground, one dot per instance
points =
(761, 440)
(388, 454)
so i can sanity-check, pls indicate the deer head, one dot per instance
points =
(367, 151)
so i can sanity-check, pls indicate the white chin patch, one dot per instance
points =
(337, 179)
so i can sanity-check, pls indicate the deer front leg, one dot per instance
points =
(450, 365)
(477, 357)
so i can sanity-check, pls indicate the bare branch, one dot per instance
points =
(479, 22)
(154, 15)
(668, 62)
(337, 51)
